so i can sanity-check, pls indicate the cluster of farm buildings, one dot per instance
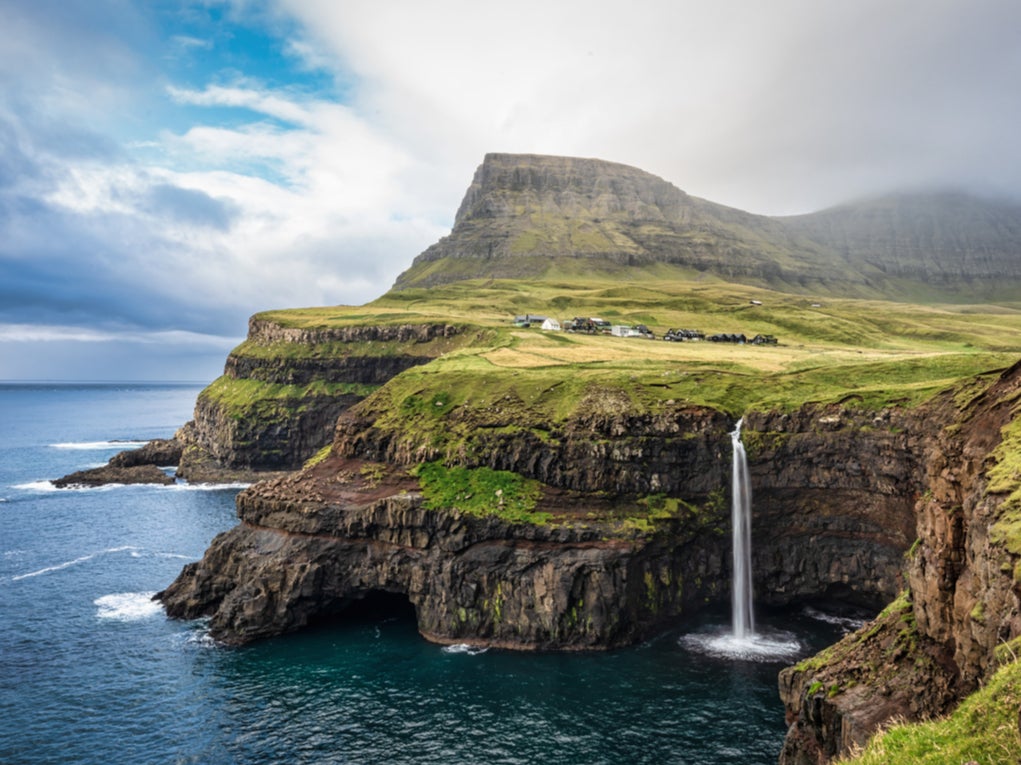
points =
(596, 326)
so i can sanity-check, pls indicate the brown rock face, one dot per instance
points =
(834, 494)
(937, 643)
(281, 432)
(307, 547)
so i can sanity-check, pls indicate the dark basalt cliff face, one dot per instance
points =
(834, 490)
(283, 389)
(936, 643)
(309, 546)
(831, 526)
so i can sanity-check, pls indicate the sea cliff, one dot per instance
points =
(938, 641)
(628, 531)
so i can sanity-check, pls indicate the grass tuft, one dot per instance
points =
(983, 729)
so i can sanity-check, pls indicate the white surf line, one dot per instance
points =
(69, 563)
(93, 445)
(185, 486)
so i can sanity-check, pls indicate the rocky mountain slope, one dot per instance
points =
(958, 242)
(526, 216)
(529, 215)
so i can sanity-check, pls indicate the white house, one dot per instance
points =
(551, 324)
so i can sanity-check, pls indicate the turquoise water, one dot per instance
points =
(92, 672)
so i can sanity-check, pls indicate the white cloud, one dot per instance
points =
(269, 104)
(775, 107)
(46, 333)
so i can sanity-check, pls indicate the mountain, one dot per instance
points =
(533, 216)
(530, 216)
(947, 239)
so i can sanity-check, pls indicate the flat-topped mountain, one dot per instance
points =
(532, 216)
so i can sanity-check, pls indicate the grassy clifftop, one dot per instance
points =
(879, 351)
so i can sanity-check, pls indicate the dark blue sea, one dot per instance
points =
(91, 671)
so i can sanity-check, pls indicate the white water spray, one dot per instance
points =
(743, 619)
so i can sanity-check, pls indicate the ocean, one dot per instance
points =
(92, 671)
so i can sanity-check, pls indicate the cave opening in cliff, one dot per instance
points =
(369, 607)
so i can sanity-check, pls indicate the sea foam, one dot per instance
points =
(47, 486)
(847, 623)
(127, 606)
(69, 563)
(471, 650)
(757, 647)
(185, 486)
(94, 445)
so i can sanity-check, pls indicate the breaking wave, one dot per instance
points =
(94, 445)
(471, 650)
(47, 486)
(70, 563)
(127, 606)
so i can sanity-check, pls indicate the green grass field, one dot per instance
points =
(879, 352)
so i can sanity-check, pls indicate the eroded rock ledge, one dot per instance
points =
(587, 578)
(309, 545)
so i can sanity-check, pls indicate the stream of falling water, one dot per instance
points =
(742, 615)
(742, 641)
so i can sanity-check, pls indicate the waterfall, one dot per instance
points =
(743, 642)
(743, 619)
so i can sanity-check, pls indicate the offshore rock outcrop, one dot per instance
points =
(108, 474)
(141, 465)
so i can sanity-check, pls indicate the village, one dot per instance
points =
(597, 326)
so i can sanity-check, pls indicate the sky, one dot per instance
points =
(167, 169)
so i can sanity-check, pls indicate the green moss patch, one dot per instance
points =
(1005, 478)
(481, 491)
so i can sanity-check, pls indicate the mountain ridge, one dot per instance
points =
(528, 215)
